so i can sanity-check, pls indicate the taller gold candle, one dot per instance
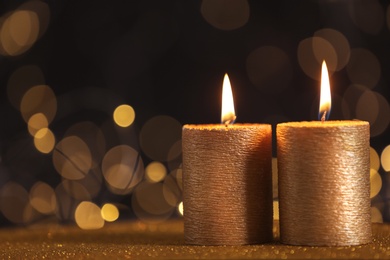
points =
(324, 183)
(324, 179)
(227, 183)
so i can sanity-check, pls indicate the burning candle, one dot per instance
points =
(227, 180)
(324, 179)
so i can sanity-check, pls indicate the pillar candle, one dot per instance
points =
(324, 183)
(324, 179)
(227, 183)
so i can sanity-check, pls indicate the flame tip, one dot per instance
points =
(325, 96)
(227, 114)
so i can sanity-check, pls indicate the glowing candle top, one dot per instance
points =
(325, 96)
(228, 115)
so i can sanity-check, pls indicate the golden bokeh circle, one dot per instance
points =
(149, 204)
(122, 168)
(312, 52)
(374, 159)
(92, 136)
(155, 172)
(88, 216)
(39, 99)
(44, 140)
(385, 158)
(42, 198)
(171, 190)
(376, 183)
(340, 44)
(367, 99)
(124, 115)
(72, 158)
(76, 190)
(19, 31)
(36, 123)
(110, 212)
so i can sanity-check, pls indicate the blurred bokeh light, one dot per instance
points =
(155, 172)
(122, 168)
(72, 158)
(88, 216)
(110, 212)
(124, 115)
(44, 140)
(42, 198)
(94, 95)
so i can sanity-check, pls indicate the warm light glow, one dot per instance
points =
(42, 198)
(385, 158)
(44, 140)
(325, 98)
(110, 212)
(122, 168)
(155, 172)
(180, 208)
(72, 158)
(36, 123)
(88, 216)
(374, 159)
(124, 115)
(375, 183)
(227, 115)
(149, 203)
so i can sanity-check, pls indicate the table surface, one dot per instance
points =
(134, 239)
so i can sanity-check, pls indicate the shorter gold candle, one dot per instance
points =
(227, 182)
(324, 180)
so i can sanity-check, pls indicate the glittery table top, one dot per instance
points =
(122, 240)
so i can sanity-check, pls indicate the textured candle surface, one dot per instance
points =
(324, 183)
(227, 184)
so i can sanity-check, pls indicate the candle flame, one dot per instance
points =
(228, 115)
(325, 97)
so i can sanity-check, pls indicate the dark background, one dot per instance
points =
(169, 57)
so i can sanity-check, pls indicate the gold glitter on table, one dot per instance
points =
(163, 241)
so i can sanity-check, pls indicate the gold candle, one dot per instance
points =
(227, 182)
(324, 181)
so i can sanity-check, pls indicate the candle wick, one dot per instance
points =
(230, 121)
(323, 116)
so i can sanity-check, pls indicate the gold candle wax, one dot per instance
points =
(324, 183)
(227, 184)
